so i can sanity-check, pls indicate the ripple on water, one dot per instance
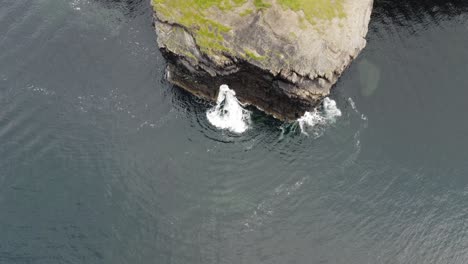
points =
(255, 197)
(24, 139)
(175, 188)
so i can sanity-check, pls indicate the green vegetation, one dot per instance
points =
(209, 34)
(316, 9)
(253, 55)
(246, 12)
(191, 14)
(259, 4)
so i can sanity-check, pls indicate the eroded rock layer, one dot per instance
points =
(282, 56)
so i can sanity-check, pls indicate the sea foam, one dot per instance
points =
(228, 114)
(321, 116)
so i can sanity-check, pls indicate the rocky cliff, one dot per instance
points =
(282, 56)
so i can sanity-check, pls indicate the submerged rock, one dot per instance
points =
(282, 56)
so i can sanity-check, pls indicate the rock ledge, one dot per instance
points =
(282, 56)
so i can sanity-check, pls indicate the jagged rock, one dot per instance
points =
(282, 56)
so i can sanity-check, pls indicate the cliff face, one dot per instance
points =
(282, 56)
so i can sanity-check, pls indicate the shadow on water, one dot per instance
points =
(412, 10)
(131, 8)
(410, 81)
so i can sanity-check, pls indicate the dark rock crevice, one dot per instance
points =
(262, 58)
(253, 86)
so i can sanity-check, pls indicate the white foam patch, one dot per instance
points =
(228, 114)
(313, 122)
(77, 4)
(353, 105)
(266, 208)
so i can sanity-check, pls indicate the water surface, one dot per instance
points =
(102, 161)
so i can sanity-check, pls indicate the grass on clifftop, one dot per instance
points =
(190, 14)
(209, 34)
(316, 9)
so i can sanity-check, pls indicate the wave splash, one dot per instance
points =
(321, 116)
(228, 113)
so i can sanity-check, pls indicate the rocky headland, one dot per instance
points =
(282, 56)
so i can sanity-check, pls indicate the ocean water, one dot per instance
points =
(103, 161)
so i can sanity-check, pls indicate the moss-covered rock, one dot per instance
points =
(300, 46)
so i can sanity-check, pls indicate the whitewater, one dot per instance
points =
(229, 114)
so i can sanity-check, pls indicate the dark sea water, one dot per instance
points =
(102, 161)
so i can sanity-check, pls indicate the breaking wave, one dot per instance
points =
(228, 114)
(313, 122)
